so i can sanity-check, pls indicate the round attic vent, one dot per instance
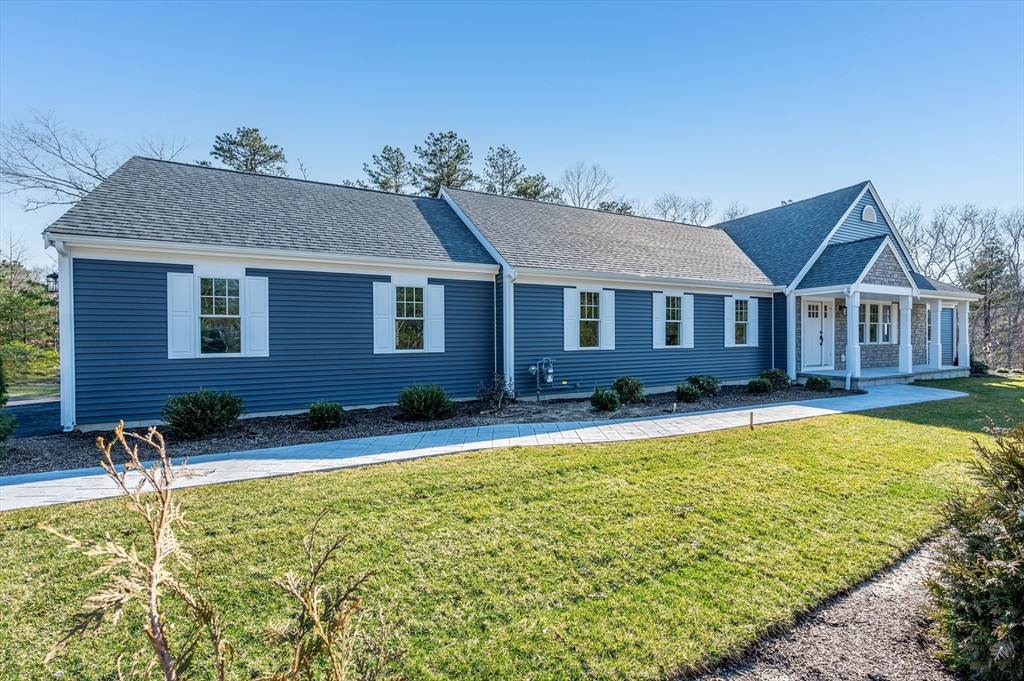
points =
(868, 214)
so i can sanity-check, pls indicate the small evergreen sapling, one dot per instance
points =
(687, 392)
(630, 389)
(604, 400)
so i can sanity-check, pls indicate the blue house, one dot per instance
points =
(174, 277)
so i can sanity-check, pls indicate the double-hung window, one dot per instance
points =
(673, 321)
(216, 313)
(741, 329)
(409, 318)
(875, 324)
(588, 317)
(742, 322)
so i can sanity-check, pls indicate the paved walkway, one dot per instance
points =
(41, 489)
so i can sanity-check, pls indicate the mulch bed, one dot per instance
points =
(78, 450)
(880, 631)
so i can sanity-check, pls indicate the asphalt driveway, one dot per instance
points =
(36, 417)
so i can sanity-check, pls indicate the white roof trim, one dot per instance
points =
(887, 243)
(892, 227)
(825, 242)
(477, 233)
(608, 279)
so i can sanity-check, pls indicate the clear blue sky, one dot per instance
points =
(755, 102)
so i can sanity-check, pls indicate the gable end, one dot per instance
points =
(887, 270)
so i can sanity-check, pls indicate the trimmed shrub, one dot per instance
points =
(779, 378)
(820, 383)
(759, 385)
(323, 414)
(8, 422)
(978, 589)
(425, 402)
(604, 400)
(686, 392)
(708, 385)
(497, 393)
(630, 390)
(978, 367)
(202, 413)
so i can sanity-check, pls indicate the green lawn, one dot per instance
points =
(632, 560)
(46, 388)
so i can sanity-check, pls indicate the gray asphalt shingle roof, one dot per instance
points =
(928, 284)
(174, 202)
(552, 236)
(841, 264)
(781, 240)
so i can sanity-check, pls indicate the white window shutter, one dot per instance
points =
(607, 319)
(659, 319)
(730, 322)
(571, 319)
(256, 325)
(752, 334)
(687, 321)
(383, 317)
(181, 315)
(435, 318)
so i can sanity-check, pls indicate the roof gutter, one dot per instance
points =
(643, 279)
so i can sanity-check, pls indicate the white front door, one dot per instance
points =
(818, 326)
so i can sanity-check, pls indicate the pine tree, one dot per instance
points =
(445, 161)
(249, 152)
(537, 188)
(502, 171)
(391, 172)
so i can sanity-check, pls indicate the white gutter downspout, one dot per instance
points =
(66, 320)
(849, 358)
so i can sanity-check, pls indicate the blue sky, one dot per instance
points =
(755, 102)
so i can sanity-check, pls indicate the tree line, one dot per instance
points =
(966, 245)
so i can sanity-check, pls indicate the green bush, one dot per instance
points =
(630, 390)
(8, 422)
(779, 378)
(978, 590)
(425, 402)
(202, 413)
(26, 362)
(978, 367)
(708, 385)
(686, 392)
(759, 385)
(820, 383)
(604, 400)
(323, 414)
(497, 393)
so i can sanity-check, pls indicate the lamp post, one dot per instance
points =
(52, 286)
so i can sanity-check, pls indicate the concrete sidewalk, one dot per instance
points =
(41, 489)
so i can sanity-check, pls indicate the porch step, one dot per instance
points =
(839, 381)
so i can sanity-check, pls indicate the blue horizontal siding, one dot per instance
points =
(855, 229)
(499, 325)
(947, 337)
(781, 331)
(321, 344)
(538, 334)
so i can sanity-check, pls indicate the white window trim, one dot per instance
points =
(659, 319)
(385, 314)
(571, 318)
(183, 312)
(753, 323)
(894, 326)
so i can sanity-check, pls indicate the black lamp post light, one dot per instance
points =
(51, 282)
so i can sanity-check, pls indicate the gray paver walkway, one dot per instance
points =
(41, 489)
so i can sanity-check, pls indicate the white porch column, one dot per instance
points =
(852, 341)
(964, 349)
(66, 316)
(791, 334)
(906, 349)
(936, 345)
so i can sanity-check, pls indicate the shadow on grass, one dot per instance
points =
(993, 396)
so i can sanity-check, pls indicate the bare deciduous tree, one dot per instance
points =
(586, 186)
(688, 209)
(733, 211)
(51, 164)
(163, 148)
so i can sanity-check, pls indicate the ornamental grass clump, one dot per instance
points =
(324, 414)
(425, 402)
(202, 413)
(604, 400)
(708, 385)
(324, 638)
(979, 588)
(630, 390)
(759, 385)
(780, 379)
(686, 392)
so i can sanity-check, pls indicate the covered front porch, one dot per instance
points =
(884, 375)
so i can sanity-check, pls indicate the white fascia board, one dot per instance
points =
(170, 252)
(824, 244)
(892, 227)
(553, 277)
(966, 296)
(838, 291)
(887, 243)
(478, 234)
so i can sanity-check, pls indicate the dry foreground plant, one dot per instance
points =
(325, 637)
